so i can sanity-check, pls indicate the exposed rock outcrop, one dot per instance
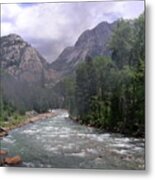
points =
(91, 43)
(3, 132)
(20, 60)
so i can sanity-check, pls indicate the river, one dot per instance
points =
(59, 142)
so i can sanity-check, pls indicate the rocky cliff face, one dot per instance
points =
(20, 60)
(91, 43)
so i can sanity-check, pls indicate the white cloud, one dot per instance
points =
(61, 23)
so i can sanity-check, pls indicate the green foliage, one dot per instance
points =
(105, 92)
(86, 87)
(9, 115)
(109, 93)
(122, 42)
(68, 88)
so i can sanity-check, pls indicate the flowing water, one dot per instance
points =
(59, 142)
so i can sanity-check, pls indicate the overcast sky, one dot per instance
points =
(50, 27)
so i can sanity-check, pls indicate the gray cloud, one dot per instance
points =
(50, 49)
(52, 27)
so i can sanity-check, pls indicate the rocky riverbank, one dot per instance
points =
(5, 130)
(5, 159)
(124, 132)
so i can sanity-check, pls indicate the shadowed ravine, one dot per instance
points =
(59, 142)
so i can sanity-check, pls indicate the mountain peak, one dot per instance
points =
(103, 23)
(12, 37)
(19, 59)
(91, 43)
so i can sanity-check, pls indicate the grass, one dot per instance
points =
(13, 120)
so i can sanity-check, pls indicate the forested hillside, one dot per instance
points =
(106, 90)
(109, 93)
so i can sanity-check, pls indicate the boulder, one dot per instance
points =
(31, 121)
(50, 110)
(3, 152)
(13, 160)
(31, 113)
(3, 132)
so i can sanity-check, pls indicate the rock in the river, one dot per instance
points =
(3, 152)
(98, 161)
(3, 132)
(13, 160)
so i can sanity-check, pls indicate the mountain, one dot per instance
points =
(27, 79)
(91, 43)
(23, 62)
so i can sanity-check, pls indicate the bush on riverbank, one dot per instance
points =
(9, 116)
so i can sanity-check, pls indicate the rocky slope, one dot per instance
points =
(23, 62)
(91, 43)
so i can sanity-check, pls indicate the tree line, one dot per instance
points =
(109, 92)
(105, 92)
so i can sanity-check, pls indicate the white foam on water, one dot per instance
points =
(44, 136)
(62, 115)
(92, 151)
(122, 151)
(81, 135)
(69, 146)
(48, 166)
(65, 130)
(59, 137)
(64, 135)
(54, 148)
(125, 140)
(98, 137)
(38, 137)
(121, 145)
(28, 164)
(30, 131)
(138, 149)
(50, 128)
(65, 115)
(51, 148)
(9, 140)
(78, 154)
(98, 161)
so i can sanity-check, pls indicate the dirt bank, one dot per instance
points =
(5, 130)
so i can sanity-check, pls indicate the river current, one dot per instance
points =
(59, 142)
